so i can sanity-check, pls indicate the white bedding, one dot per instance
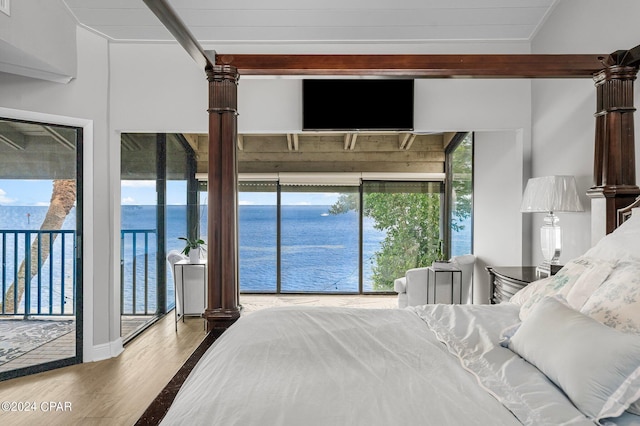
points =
(341, 366)
(437, 364)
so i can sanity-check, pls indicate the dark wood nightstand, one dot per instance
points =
(505, 281)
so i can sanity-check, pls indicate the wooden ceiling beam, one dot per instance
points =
(419, 66)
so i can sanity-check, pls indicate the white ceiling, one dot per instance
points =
(309, 21)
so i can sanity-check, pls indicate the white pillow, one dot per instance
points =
(622, 242)
(596, 366)
(575, 282)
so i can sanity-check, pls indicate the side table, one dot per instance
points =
(191, 290)
(438, 277)
(505, 281)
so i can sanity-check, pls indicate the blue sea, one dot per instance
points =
(320, 251)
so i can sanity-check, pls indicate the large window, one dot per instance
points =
(258, 235)
(159, 205)
(318, 239)
(319, 250)
(401, 229)
(460, 194)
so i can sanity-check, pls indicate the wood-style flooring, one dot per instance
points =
(117, 391)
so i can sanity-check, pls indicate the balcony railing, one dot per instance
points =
(50, 287)
(42, 263)
(138, 275)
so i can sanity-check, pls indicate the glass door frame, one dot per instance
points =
(78, 296)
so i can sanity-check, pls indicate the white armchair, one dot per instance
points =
(412, 288)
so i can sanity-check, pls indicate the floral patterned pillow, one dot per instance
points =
(617, 302)
(584, 273)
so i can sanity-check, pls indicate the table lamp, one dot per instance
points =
(550, 194)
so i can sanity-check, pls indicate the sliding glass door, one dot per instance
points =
(40, 246)
(319, 247)
(401, 229)
(258, 236)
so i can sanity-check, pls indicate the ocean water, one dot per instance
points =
(320, 251)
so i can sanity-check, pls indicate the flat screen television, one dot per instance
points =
(357, 104)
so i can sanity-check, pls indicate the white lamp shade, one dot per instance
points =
(551, 194)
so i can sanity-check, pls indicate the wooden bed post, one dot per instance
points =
(222, 299)
(614, 170)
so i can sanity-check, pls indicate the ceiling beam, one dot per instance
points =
(350, 141)
(292, 141)
(10, 143)
(420, 66)
(192, 140)
(56, 136)
(172, 22)
(406, 140)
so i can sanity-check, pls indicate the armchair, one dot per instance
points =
(412, 288)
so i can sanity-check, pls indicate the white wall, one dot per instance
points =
(563, 127)
(499, 234)
(38, 40)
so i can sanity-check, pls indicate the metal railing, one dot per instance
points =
(49, 289)
(137, 272)
(38, 272)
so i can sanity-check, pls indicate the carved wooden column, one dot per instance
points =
(222, 300)
(614, 171)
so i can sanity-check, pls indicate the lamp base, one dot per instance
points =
(546, 269)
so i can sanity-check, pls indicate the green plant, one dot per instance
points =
(191, 244)
(440, 257)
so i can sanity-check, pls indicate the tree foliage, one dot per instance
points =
(411, 224)
(411, 220)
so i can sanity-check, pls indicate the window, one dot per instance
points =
(460, 194)
(317, 239)
(258, 236)
(319, 249)
(401, 229)
(159, 204)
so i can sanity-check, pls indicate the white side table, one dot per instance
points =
(190, 289)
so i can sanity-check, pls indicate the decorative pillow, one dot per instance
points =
(535, 287)
(596, 366)
(624, 241)
(584, 272)
(616, 303)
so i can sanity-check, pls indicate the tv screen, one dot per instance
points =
(381, 104)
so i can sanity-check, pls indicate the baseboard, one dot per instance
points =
(105, 351)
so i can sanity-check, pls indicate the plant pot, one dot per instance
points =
(441, 264)
(194, 255)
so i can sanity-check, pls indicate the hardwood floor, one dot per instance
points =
(110, 392)
(117, 391)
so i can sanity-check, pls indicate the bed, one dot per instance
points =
(564, 350)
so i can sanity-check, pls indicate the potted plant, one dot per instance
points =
(441, 261)
(192, 249)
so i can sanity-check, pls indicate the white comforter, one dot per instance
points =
(341, 366)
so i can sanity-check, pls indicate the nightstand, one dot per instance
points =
(505, 281)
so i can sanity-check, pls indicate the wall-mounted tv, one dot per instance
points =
(357, 104)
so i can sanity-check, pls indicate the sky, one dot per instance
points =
(38, 193)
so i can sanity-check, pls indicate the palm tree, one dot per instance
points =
(63, 198)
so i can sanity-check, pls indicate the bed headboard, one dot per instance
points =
(625, 212)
